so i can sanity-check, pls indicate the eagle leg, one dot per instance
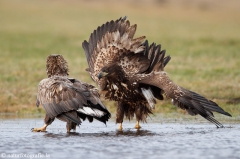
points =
(137, 126)
(47, 121)
(41, 129)
(120, 127)
(71, 126)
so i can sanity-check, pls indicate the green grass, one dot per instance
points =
(202, 39)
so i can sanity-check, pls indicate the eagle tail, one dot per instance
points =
(70, 116)
(95, 111)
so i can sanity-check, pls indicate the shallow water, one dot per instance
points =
(95, 140)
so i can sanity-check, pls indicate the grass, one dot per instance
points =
(202, 38)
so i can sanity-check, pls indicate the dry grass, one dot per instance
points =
(201, 36)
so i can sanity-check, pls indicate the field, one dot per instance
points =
(202, 37)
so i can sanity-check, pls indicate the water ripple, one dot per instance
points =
(95, 140)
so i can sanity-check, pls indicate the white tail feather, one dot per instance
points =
(91, 111)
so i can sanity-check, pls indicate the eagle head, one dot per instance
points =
(104, 72)
(56, 65)
(112, 70)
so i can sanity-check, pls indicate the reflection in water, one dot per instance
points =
(57, 135)
(100, 134)
(135, 133)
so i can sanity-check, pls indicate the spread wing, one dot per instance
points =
(113, 42)
(60, 95)
(190, 101)
(108, 43)
(151, 58)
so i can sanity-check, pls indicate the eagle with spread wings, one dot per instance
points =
(131, 72)
(68, 99)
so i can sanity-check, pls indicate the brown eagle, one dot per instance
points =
(131, 72)
(68, 99)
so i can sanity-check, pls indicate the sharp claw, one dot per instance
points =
(34, 130)
(37, 130)
(41, 129)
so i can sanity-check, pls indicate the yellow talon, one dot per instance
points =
(41, 129)
(120, 127)
(137, 126)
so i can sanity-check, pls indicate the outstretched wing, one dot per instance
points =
(109, 42)
(113, 42)
(59, 95)
(183, 98)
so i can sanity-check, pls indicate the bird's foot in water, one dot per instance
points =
(120, 127)
(41, 129)
(137, 126)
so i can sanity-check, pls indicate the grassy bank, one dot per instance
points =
(202, 38)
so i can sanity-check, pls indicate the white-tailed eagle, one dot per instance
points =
(68, 99)
(131, 72)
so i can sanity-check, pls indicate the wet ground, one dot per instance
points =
(179, 140)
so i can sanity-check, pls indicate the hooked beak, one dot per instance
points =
(102, 74)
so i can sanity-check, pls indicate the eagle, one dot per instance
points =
(68, 99)
(131, 72)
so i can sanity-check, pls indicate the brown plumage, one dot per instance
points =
(68, 99)
(131, 72)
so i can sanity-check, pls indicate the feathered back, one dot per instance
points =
(56, 65)
(68, 98)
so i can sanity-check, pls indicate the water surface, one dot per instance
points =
(183, 140)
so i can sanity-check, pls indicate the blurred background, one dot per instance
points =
(202, 37)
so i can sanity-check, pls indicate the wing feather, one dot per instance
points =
(60, 95)
(116, 44)
(108, 42)
(185, 99)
